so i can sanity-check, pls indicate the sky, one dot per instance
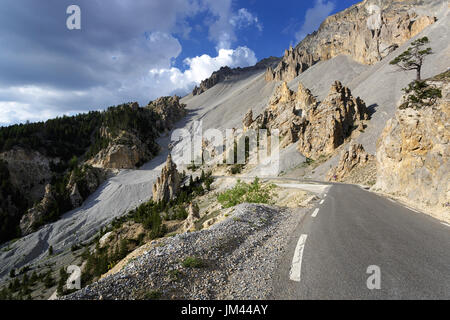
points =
(135, 50)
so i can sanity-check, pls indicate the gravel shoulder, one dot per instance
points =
(239, 256)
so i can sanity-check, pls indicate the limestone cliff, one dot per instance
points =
(367, 31)
(168, 184)
(414, 149)
(29, 170)
(128, 149)
(124, 151)
(284, 113)
(82, 183)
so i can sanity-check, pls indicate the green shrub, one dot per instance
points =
(243, 192)
(420, 94)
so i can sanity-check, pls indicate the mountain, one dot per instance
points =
(226, 73)
(50, 168)
(347, 33)
(343, 116)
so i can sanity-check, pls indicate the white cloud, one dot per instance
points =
(314, 17)
(35, 103)
(115, 60)
(243, 19)
(198, 69)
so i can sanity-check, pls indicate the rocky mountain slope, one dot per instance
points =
(362, 31)
(42, 159)
(226, 73)
(415, 145)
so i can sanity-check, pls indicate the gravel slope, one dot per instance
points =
(240, 255)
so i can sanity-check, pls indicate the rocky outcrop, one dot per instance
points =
(193, 216)
(29, 171)
(328, 124)
(83, 183)
(413, 152)
(167, 186)
(362, 31)
(124, 151)
(225, 73)
(248, 119)
(35, 214)
(350, 161)
(128, 149)
(319, 127)
(169, 109)
(284, 113)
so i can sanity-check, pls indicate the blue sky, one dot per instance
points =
(135, 50)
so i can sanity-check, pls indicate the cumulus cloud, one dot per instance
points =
(125, 51)
(199, 68)
(244, 19)
(314, 17)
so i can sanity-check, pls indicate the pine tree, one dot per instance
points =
(413, 58)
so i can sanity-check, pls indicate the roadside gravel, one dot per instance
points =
(239, 257)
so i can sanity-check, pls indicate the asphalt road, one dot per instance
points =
(332, 249)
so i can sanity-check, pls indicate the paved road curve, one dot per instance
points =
(354, 229)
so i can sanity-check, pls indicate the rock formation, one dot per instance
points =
(33, 215)
(89, 179)
(169, 109)
(225, 73)
(248, 119)
(414, 149)
(349, 33)
(326, 125)
(284, 113)
(193, 216)
(125, 151)
(319, 127)
(128, 149)
(350, 161)
(167, 186)
(29, 171)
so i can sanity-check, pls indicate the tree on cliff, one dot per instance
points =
(413, 58)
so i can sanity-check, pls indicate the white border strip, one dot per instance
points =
(315, 213)
(296, 268)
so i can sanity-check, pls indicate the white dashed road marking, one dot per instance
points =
(321, 202)
(296, 268)
(315, 213)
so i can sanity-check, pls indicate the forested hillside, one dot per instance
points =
(69, 142)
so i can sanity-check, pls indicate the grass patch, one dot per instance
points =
(193, 262)
(175, 275)
(152, 295)
(250, 193)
